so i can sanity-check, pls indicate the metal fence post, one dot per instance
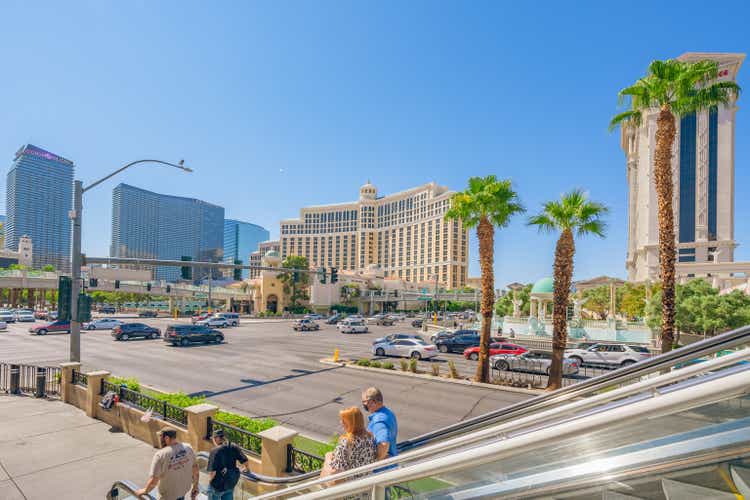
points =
(41, 382)
(15, 379)
(164, 409)
(289, 458)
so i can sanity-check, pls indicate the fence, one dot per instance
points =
(161, 409)
(248, 441)
(29, 379)
(80, 379)
(534, 373)
(302, 461)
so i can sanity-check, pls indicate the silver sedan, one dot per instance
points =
(531, 361)
(407, 348)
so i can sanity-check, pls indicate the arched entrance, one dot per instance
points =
(272, 303)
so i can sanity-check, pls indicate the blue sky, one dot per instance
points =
(277, 105)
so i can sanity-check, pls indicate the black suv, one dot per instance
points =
(131, 330)
(189, 334)
(147, 314)
(459, 341)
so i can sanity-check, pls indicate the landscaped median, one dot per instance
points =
(140, 411)
(411, 368)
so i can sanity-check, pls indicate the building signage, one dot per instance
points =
(30, 150)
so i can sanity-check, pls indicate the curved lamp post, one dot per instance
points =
(75, 257)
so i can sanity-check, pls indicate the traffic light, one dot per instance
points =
(93, 283)
(117, 284)
(186, 271)
(334, 274)
(295, 277)
(169, 288)
(322, 275)
(148, 287)
(84, 308)
(237, 274)
(64, 293)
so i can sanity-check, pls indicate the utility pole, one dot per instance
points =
(75, 272)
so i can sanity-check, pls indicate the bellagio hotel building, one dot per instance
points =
(405, 233)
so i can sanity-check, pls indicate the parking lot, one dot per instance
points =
(264, 368)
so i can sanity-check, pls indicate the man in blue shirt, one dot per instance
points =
(382, 423)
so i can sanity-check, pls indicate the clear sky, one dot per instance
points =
(277, 105)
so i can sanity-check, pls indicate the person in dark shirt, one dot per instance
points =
(222, 467)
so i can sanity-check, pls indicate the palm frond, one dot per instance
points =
(626, 119)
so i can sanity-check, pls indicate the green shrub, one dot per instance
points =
(404, 365)
(388, 365)
(254, 425)
(413, 365)
(179, 399)
(363, 362)
(375, 364)
(130, 383)
(453, 369)
(435, 369)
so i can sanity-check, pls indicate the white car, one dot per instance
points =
(25, 316)
(406, 348)
(103, 324)
(533, 362)
(215, 321)
(356, 326)
(3, 325)
(609, 354)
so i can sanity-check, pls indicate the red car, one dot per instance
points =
(495, 348)
(55, 326)
(199, 317)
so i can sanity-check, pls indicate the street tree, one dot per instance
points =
(296, 283)
(573, 214)
(672, 89)
(486, 203)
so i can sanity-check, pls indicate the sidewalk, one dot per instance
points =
(52, 450)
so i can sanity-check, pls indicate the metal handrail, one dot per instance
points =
(129, 487)
(261, 478)
(732, 385)
(554, 416)
(711, 345)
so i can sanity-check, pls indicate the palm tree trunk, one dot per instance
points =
(563, 274)
(486, 236)
(665, 132)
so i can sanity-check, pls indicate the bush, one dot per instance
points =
(404, 365)
(435, 370)
(254, 425)
(413, 365)
(363, 362)
(130, 383)
(179, 399)
(375, 364)
(452, 369)
(388, 365)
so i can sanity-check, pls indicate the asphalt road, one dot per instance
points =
(267, 369)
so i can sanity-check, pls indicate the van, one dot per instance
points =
(232, 318)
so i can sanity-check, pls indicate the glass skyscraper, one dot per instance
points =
(240, 240)
(158, 226)
(39, 195)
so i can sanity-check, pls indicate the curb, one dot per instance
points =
(398, 373)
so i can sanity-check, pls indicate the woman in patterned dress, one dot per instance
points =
(356, 447)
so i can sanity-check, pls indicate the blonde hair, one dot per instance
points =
(354, 422)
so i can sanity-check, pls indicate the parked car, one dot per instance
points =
(25, 316)
(381, 319)
(199, 317)
(397, 336)
(7, 316)
(61, 326)
(332, 320)
(232, 318)
(313, 316)
(532, 361)
(107, 310)
(216, 321)
(41, 314)
(458, 342)
(126, 331)
(417, 323)
(409, 348)
(148, 314)
(103, 324)
(305, 325)
(609, 354)
(3, 326)
(352, 326)
(440, 335)
(184, 335)
(52, 315)
(582, 345)
(495, 348)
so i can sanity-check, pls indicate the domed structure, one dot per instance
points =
(544, 285)
(368, 191)
(272, 259)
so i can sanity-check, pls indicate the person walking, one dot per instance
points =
(173, 468)
(356, 447)
(222, 467)
(382, 423)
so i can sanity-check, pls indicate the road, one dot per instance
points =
(267, 369)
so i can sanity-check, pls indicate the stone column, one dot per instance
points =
(533, 304)
(274, 450)
(197, 417)
(66, 380)
(93, 389)
(612, 301)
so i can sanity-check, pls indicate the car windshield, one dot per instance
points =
(639, 348)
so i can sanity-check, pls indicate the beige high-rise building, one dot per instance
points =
(703, 173)
(404, 233)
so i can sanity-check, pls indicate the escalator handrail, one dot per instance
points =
(129, 487)
(261, 478)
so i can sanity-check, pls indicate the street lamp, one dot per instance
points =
(75, 257)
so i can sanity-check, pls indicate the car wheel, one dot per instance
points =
(473, 356)
(124, 336)
(379, 351)
(416, 355)
(577, 359)
(234, 323)
(219, 339)
(154, 335)
(443, 349)
(91, 327)
(41, 332)
(502, 365)
(184, 342)
(627, 362)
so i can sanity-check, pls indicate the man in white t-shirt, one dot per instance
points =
(173, 468)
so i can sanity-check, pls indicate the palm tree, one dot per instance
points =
(574, 213)
(673, 88)
(485, 204)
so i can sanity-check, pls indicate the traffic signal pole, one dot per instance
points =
(75, 271)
